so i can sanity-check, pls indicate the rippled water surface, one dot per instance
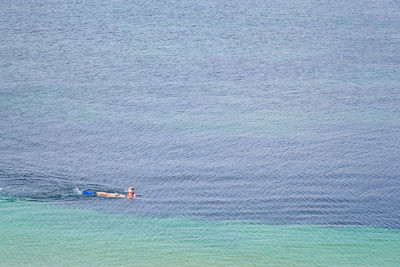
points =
(268, 119)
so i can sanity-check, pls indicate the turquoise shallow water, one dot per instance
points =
(69, 237)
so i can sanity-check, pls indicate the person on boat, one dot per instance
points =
(130, 194)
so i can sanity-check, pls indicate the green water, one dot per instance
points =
(43, 234)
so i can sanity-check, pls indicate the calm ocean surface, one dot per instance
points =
(256, 132)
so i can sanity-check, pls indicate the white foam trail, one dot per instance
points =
(77, 191)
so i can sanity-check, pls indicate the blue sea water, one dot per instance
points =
(271, 112)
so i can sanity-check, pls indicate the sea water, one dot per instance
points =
(254, 132)
(54, 236)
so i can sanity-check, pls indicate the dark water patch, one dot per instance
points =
(43, 188)
(353, 199)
